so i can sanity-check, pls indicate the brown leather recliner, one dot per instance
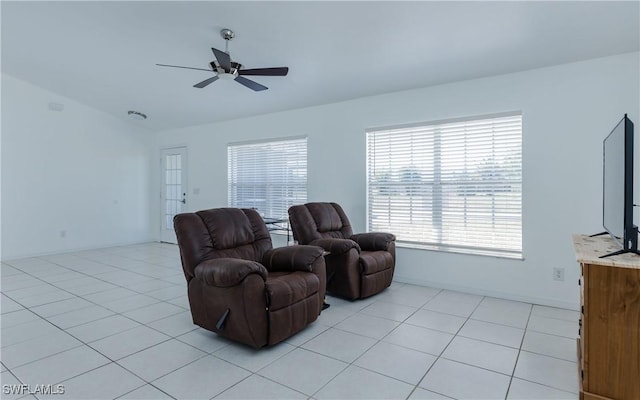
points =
(242, 288)
(358, 266)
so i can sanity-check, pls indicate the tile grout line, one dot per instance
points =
(515, 365)
(445, 348)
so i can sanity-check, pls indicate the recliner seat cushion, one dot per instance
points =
(285, 289)
(375, 261)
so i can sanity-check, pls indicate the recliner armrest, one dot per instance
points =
(336, 246)
(226, 272)
(373, 241)
(292, 258)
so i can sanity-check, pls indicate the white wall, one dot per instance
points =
(80, 171)
(567, 111)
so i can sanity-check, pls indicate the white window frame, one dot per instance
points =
(281, 173)
(434, 230)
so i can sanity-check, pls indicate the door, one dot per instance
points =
(174, 190)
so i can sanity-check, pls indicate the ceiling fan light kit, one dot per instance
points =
(227, 77)
(226, 69)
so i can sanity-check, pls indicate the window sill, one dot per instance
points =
(460, 250)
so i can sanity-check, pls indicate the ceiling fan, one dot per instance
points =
(226, 69)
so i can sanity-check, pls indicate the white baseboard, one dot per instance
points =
(502, 295)
(77, 249)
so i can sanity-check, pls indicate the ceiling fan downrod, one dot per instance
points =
(227, 34)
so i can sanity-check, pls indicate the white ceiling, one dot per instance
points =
(103, 54)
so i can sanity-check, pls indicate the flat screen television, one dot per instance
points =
(617, 198)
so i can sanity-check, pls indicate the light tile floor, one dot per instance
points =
(115, 323)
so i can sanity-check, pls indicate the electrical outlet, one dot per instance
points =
(558, 274)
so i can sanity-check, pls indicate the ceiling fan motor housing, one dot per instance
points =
(227, 34)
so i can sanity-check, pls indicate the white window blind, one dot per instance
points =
(451, 186)
(268, 176)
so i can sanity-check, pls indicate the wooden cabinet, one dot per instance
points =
(609, 342)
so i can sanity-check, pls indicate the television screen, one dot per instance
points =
(614, 182)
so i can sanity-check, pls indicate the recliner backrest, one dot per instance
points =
(313, 221)
(220, 233)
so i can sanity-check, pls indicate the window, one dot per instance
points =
(268, 176)
(451, 186)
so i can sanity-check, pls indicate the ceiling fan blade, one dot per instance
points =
(205, 82)
(278, 71)
(223, 59)
(179, 66)
(250, 84)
